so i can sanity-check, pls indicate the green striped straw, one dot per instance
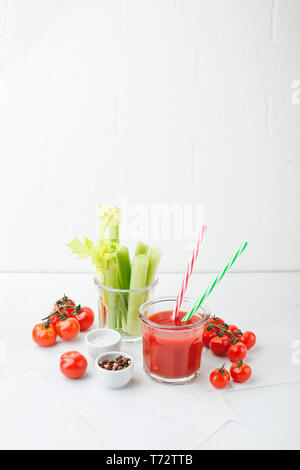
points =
(211, 286)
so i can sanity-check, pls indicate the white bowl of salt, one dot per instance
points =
(102, 340)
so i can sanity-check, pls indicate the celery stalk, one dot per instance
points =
(139, 270)
(109, 219)
(141, 248)
(124, 267)
(124, 281)
(113, 297)
(113, 233)
(154, 259)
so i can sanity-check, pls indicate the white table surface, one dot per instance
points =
(267, 408)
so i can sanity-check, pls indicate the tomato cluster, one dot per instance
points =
(228, 340)
(66, 320)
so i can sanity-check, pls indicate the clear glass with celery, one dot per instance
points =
(123, 284)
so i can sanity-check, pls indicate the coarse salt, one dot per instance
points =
(101, 340)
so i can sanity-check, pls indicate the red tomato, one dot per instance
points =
(207, 336)
(240, 372)
(220, 345)
(220, 378)
(68, 328)
(233, 329)
(62, 305)
(73, 364)
(236, 352)
(216, 321)
(86, 318)
(54, 317)
(248, 338)
(209, 331)
(44, 335)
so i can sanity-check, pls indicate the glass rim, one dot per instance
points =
(203, 307)
(128, 291)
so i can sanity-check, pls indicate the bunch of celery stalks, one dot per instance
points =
(115, 270)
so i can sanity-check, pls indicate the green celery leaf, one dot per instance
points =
(78, 248)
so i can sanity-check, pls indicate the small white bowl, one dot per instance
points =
(114, 378)
(109, 340)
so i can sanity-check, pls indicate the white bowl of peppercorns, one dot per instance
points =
(114, 368)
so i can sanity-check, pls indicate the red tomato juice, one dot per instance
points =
(172, 353)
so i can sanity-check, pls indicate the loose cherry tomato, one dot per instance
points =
(248, 338)
(85, 316)
(220, 345)
(73, 364)
(44, 335)
(220, 378)
(236, 352)
(207, 336)
(67, 328)
(240, 372)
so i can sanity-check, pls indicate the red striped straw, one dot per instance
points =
(188, 274)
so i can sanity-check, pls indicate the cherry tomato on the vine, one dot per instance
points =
(220, 378)
(236, 352)
(73, 364)
(68, 328)
(248, 338)
(85, 316)
(211, 329)
(216, 320)
(65, 305)
(207, 336)
(54, 318)
(240, 372)
(234, 330)
(44, 335)
(220, 345)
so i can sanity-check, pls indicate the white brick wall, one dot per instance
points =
(161, 101)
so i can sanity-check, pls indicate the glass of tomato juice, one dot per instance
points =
(172, 348)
